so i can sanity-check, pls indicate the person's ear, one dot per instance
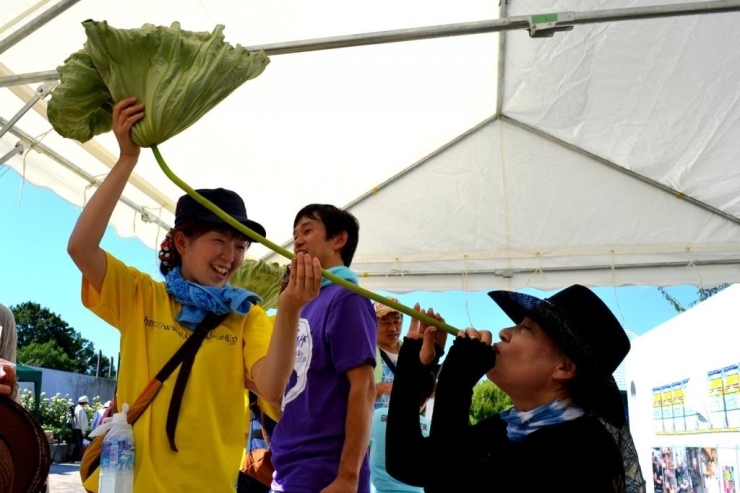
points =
(339, 240)
(565, 369)
(181, 241)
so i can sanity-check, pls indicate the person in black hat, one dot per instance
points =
(556, 364)
(205, 392)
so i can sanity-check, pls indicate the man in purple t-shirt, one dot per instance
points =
(320, 442)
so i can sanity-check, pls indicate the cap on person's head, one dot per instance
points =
(188, 209)
(382, 310)
(83, 400)
(25, 455)
(588, 333)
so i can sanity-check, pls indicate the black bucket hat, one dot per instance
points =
(587, 331)
(188, 209)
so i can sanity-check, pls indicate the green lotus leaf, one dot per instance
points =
(179, 75)
(262, 278)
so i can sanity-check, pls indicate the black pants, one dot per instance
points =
(78, 445)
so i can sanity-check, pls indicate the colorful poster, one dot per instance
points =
(716, 399)
(669, 469)
(679, 423)
(731, 384)
(710, 470)
(728, 479)
(657, 409)
(693, 459)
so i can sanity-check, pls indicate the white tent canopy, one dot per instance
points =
(604, 155)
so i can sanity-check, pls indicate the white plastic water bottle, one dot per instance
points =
(117, 456)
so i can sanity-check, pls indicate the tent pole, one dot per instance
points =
(538, 25)
(30, 78)
(36, 23)
(18, 149)
(501, 61)
(146, 215)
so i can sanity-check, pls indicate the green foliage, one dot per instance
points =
(46, 355)
(54, 412)
(262, 278)
(487, 401)
(702, 294)
(45, 340)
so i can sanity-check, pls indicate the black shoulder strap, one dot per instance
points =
(186, 356)
(388, 361)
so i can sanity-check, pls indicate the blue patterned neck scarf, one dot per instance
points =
(342, 272)
(522, 423)
(197, 300)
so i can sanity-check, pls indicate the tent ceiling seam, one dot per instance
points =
(656, 184)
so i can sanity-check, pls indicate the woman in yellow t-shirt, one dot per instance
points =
(198, 258)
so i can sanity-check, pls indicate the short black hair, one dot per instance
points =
(335, 220)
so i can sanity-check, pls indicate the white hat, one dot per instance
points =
(83, 400)
(382, 310)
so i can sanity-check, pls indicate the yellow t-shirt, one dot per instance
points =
(210, 428)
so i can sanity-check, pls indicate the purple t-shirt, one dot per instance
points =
(337, 332)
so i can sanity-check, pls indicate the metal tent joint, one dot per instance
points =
(546, 25)
(41, 92)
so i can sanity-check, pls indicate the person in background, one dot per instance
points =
(380, 480)
(101, 414)
(390, 322)
(79, 428)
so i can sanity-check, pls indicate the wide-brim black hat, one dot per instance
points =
(25, 455)
(588, 333)
(188, 209)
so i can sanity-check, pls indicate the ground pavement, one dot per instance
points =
(65, 478)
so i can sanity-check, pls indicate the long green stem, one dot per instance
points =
(289, 255)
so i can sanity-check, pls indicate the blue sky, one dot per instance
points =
(36, 224)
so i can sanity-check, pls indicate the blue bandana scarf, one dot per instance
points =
(197, 300)
(342, 272)
(522, 423)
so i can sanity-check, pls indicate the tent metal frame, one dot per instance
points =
(537, 25)
(36, 23)
(146, 213)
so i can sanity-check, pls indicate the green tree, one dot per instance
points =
(702, 294)
(487, 401)
(39, 327)
(47, 355)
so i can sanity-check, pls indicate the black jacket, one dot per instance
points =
(575, 456)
